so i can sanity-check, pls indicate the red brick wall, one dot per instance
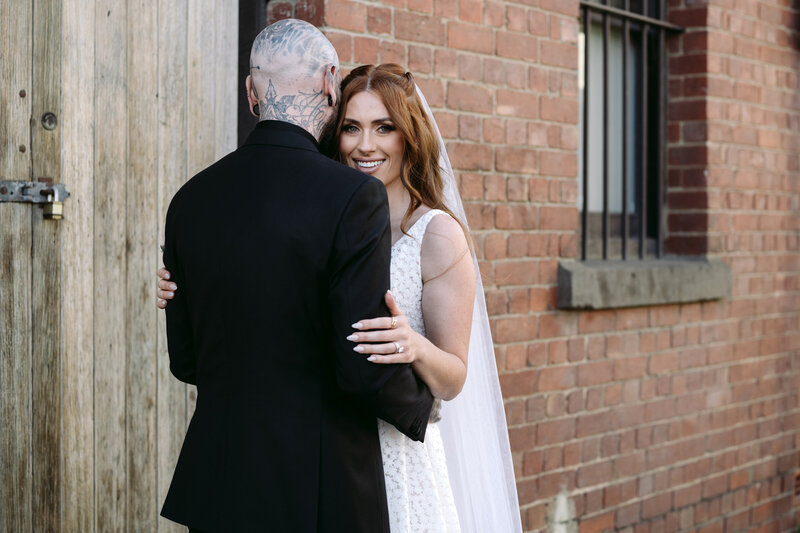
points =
(679, 417)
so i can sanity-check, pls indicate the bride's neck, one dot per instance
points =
(399, 200)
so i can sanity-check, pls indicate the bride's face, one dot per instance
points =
(369, 139)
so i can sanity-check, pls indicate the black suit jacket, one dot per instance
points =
(276, 251)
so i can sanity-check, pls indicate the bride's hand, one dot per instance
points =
(166, 288)
(387, 339)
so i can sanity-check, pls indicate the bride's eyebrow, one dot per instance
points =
(376, 121)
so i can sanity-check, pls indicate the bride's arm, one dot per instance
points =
(448, 293)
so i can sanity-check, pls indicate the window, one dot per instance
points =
(622, 98)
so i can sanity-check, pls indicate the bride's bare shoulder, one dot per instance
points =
(443, 246)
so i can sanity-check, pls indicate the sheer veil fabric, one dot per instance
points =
(473, 425)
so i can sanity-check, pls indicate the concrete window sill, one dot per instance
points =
(612, 284)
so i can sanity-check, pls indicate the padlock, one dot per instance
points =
(53, 209)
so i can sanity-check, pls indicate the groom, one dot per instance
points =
(277, 250)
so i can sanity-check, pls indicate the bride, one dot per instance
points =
(461, 478)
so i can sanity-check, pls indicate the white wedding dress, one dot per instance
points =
(418, 489)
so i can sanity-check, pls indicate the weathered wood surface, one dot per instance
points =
(172, 169)
(46, 274)
(15, 271)
(226, 57)
(92, 421)
(110, 179)
(77, 232)
(141, 261)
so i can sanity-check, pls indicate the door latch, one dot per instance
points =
(43, 191)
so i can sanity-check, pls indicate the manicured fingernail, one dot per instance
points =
(352, 337)
(357, 325)
(171, 294)
(372, 358)
(166, 276)
(172, 287)
(359, 349)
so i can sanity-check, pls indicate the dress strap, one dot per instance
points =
(417, 231)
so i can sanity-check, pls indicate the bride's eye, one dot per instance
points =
(349, 128)
(386, 128)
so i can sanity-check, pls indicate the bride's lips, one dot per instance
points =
(368, 166)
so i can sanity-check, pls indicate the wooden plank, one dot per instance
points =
(172, 173)
(201, 76)
(111, 94)
(77, 311)
(226, 67)
(15, 271)
(142, 257)
(46, 274)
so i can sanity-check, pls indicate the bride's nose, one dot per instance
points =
(366, 143)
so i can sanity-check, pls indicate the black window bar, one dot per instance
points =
(651, 159)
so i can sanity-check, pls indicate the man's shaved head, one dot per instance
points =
(294, 70)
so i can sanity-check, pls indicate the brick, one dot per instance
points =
(446, 63)
(595, 373)
(558, 218)
(627, 515)
(559, 110)
(343, 44)
(469, 97)
(470, 10)
(517, 104)
(595, 424)
(470, 37)
(424, 6)
(379, 20)
(516, 160)
(279, 11)
(345, 15)
(420, 59)
(513, 329)
(519, 383)
(557, 54)
(559, 164)
(311, 11)
(470, 67)
(555, 431)
(494, 130)
(556, 378)
(516, 273)
(366, 50)
(597, 524)
(418, 28)
(516, 216)
(392, 52)
(517, 46)
(595, 474)
(522, 438)
(517, 17)
(470, 156)
(657, 505)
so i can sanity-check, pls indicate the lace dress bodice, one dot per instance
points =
(418, 491)
(406, 278)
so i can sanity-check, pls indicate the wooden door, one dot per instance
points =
(30, 288)
(144, 92)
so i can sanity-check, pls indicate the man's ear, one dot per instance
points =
(252, 100)
(329, 88)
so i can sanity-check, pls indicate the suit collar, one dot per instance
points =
(280, 133)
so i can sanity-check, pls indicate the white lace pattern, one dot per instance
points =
(417, 485)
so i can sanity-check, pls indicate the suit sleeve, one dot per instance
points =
(359, 279)
(182, 361)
